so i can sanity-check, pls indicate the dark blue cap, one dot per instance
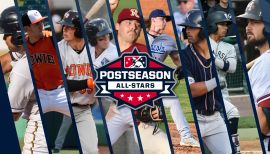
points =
(159, 13)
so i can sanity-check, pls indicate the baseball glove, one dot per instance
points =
(148, 114)
(179, 73)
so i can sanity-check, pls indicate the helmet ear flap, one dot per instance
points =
(201, 34)
(78, 33)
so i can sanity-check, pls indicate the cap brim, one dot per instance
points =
(248, 16)
(129, 18)
(38, 20)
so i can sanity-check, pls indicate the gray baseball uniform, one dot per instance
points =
(77, 67)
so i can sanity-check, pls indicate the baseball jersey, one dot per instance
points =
(105, 57)
(76, 67)
(196, 72)
(140, 47)
(161, 46)
(45, 63)
(259, 76)
(225, 52)
(21, 91)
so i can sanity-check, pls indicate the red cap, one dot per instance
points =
(128, 14)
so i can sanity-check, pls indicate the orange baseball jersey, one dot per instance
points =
(45, 63)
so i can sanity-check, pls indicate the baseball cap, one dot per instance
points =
(159, 13)
(32, 17)
(128, 14)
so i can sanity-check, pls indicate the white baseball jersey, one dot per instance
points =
(225, 52)
(259, 76)
(161, 46)
(105, 57)
(76, 67)
(21, 90)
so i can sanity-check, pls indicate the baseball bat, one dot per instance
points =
(250, 64)
(94, 9)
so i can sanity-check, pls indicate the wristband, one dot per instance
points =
(211, 84)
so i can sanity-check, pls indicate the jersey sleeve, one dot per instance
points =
(61, 46)
(261, 88)
(231, 59)
(188, 66)
(20, 90)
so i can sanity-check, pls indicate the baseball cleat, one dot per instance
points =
(190, 141)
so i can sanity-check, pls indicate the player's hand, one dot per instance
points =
(155, 113)
(113, 5)
(90, 83)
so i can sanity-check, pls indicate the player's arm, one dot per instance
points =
(229, 64)
(5, 62)
(20, 91)
(76, 85)
(113, 5)
(201, 88)
(176, 58)
(262, 120)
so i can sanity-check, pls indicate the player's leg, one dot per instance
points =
(86, 129)
(216, 135)
(115, 122)
(65, 125)
(233, 117)
(61, 103)
(181, 123)
(55, 100)
(156, 143)
(34, 138)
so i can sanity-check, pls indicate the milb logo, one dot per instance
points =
(135, 80)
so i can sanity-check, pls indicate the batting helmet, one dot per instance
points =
(96, 28)
(9, 25)
(253, 11)
(217, 17)
(193, 19)
(71, 18)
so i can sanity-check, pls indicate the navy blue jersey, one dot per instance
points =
(200, 69)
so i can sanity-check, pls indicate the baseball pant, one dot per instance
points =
(118, 121)
(231, 110)
(214, 133)
(266, 142)
(86, 129)
(34, 138)
(65, 125)
(153, 144)
(178, 116)
(54, 100)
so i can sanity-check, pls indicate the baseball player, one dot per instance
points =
(21, 90)
(120, 120)
(203, 85)
(80, 82)
(225, 61)
(45, 64)
(163, 45)
(259, 73)
(10, 33)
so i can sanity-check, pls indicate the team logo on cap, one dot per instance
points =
(135, 80)
(134, 12)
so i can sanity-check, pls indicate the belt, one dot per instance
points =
(206, 112)
(80, 105)
(58, 87)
